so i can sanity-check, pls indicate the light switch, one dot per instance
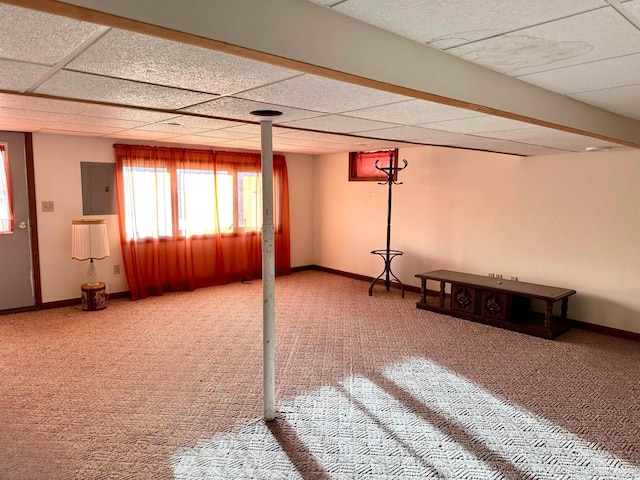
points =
(47, 206)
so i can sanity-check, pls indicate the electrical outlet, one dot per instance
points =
(47, 206)
(116, 269)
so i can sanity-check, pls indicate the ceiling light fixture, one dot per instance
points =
(598, 149)
(175, 124)
(266, 113)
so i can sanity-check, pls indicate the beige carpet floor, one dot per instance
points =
(367, 387)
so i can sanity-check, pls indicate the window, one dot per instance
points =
(228, 201)
(147, 206)
(191, 218)
(198, 202)
(362, 165)
(249, 201)
(6, 210)
(207, 203)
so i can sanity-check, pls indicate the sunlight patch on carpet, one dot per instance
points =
(366, 432)
(348, 443)
(248, 451)
(532, 444)
(416, 420)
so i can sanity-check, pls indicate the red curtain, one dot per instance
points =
(191, 218)
(6, 210)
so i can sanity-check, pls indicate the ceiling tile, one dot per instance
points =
(408, 133)
(20, 76)
(612, 72)
(253, 129)
(337, 123)
(321, 94)
(622, 100)
(578, 39)
(250, 144)
(122, 113)
(239, 109)
(530, 132)
(23, 124)
(284, 148)
(318, 136)
(529, 150)
(326, 3)
(413, 112)
(548, 137)
(44, 104)
(505, 146)
(310, 150)
(307, 142)
(39, 37)
(140, 135)
(296, 142)
(481, 143)
(170, 128)
(188, 125)
(19, 113)
(445, 24)
(84, 128)
(485, 123)
(447, 139)
(105, 89)
(70, 132)
(154, 60)
(632, 7)
(118, 123)
(248, 128)
(203, 122)
(192, 140)
(227, 134)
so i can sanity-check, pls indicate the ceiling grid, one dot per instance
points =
(68, 76)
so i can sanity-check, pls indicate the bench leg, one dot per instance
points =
(563, 311)
(548, 315)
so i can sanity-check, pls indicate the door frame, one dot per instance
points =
(33, 227)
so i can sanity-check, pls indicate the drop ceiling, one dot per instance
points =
(69, 76)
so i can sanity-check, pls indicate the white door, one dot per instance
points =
(16, 270)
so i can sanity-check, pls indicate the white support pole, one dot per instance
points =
(268, 274)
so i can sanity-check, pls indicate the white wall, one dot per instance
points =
(570, 220)
(57, 175)
(300, 172)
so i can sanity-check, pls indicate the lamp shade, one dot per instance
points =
(89, 239)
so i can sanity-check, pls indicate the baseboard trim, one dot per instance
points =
(612, 332)
(302, 268)
(17, 310)
(355, 276)
(77, 301)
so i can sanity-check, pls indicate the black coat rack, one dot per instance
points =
(387, 254)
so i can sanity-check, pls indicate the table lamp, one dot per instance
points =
(89, 241)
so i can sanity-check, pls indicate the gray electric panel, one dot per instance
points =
(98, 188)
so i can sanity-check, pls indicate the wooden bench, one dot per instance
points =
(498, 302)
